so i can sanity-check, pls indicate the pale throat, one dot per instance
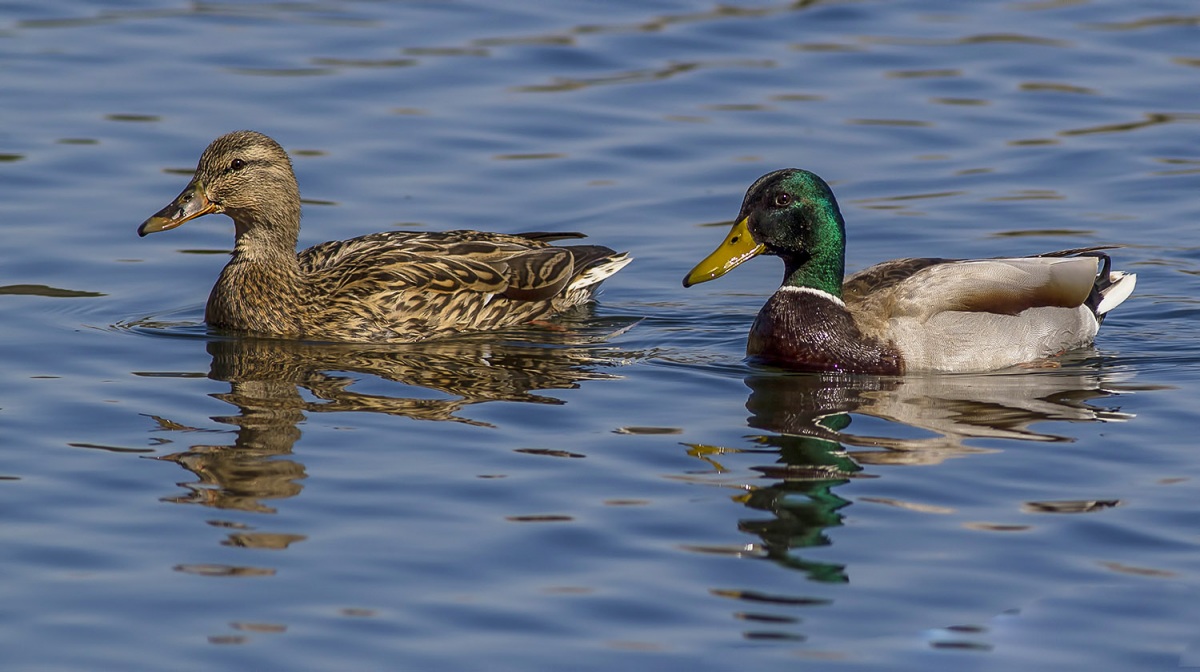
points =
(255, 241)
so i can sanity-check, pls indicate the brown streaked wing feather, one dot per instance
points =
(326, 255)
(396, 272)
(475, 244)
(547, 236)
(434, 241)
(408, 285)
(538, 275)
(587, 256)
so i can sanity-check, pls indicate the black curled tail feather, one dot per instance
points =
(1103, 282)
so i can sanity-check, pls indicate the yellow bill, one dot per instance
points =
(738, 246)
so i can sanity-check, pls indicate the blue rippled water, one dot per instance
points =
(623, 492)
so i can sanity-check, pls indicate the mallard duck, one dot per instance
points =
(905, 315)
(395, 286)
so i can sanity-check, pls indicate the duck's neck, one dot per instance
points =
(268, 229)
(821, 268)
(262, 288)
(814, 251)
(256, 243)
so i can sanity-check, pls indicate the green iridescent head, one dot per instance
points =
(791, 214)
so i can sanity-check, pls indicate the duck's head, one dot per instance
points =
(789, 213)
(243, 174)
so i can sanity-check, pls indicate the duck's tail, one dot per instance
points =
(1111, 288)
(594, 263)
(1118, 288)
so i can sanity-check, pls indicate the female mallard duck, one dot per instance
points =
(909, 314)
(396, 286)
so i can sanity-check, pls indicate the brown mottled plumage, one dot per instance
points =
(395, 286)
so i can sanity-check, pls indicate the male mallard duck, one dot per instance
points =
(396, 286)
(908, 314)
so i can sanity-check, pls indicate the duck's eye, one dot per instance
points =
(782, 199)
(237, 164)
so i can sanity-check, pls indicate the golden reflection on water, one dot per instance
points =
(273, 384)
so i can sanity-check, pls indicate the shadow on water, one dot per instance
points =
(275, 384)
(917, 420)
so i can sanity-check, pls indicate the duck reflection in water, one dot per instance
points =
(275, 383)
(808, 418)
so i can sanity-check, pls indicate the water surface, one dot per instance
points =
(623, 491)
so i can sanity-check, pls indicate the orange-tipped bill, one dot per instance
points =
(738, 246)
(190, 204)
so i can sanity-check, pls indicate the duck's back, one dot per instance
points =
(982, 314)
(410, 285)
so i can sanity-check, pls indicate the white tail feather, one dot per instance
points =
(596, 274)
(1116, 293)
